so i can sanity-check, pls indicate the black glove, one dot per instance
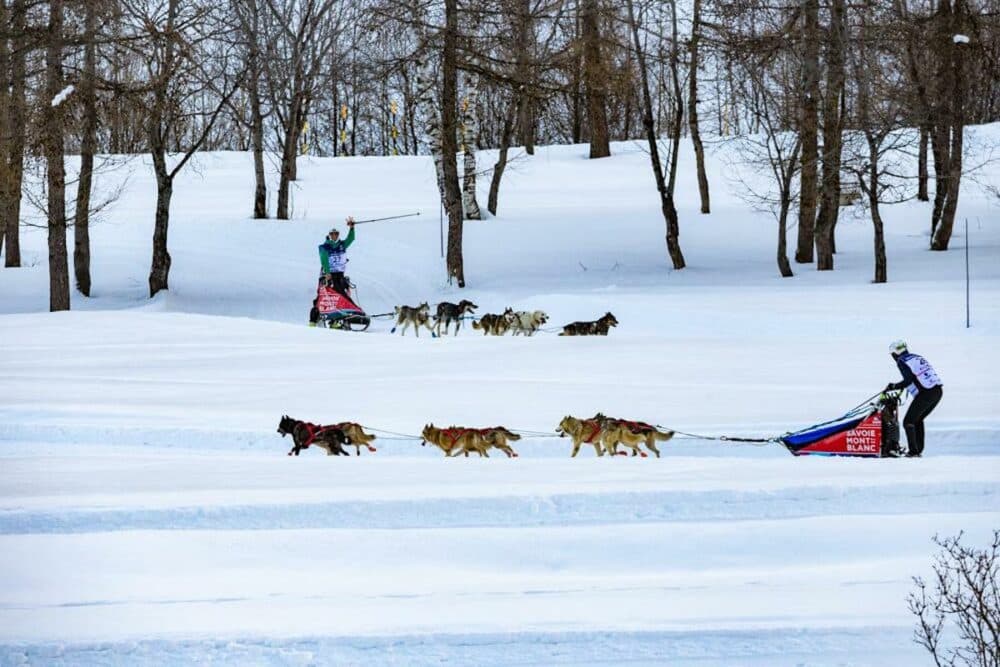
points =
(890, 387)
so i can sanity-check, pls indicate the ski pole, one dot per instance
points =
(391, 217)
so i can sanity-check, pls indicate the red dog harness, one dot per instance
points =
(636, 427)
(597, 429)
(313, 431)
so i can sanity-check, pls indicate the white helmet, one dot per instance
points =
(897, 346)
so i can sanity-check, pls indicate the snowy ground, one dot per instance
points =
(148, 514)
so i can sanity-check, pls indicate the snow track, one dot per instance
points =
(112, 555)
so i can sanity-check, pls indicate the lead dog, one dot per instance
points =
(452, 312)
(597, 328)
(306, 434)
(418, 316)
(589, 431)
(528, 322)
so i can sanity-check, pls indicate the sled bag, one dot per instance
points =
(857, 436)
(330, 302)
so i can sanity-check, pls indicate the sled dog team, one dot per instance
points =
(605, 434)
(520, 322)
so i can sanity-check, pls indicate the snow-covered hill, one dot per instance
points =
(148, 513)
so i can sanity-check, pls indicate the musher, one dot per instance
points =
(333, 258)
(924, 385)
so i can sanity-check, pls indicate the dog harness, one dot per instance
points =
(313, 431)
(597, 429)
(636, 427)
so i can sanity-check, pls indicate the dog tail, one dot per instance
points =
(662, 435)
(476, 325)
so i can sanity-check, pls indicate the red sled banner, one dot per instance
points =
(864, 439)
(329, 300)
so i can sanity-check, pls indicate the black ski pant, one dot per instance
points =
(913, 423)
(340, 283)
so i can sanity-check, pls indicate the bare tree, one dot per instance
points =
(832, 136)
(14, 45)
(248, 12)
(449, 128)
(949, 118)
(664, 184)
(54, 130)
(297, 37)
(88, 147)
(878, 147)
(809, 129)
(773, 150)
(965, 599)
(699, 149)
(595, 78)
(183, 56)
(442, 125)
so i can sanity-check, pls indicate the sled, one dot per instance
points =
(870, 430)
(338, 311)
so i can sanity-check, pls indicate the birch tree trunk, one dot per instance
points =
(88, 146)
(524, 50)
(470, 137)
(699, 149)
(427, 100)
(56, 176)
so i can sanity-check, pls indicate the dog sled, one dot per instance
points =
(339, 311)
(870, 430)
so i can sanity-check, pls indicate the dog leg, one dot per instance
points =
(651, 445)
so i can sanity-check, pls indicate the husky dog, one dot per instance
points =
(356, 436)
(631, 434)
(497, 437)
(495, 325)
(456, 440)
(418, 316)
(452, 441)
(452, 312)
(305, 434)
(529, 322)
(597, 328)
(582, 431)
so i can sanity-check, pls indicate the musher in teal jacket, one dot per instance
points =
(333, 258)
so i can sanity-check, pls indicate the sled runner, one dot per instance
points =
(338, 311)
(869, 430)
